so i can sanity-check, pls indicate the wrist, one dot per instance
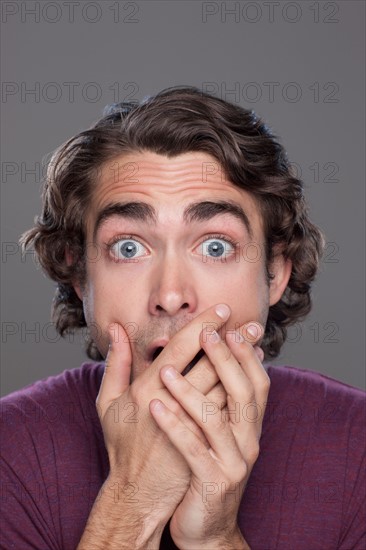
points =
(120, 520)
(135, 499)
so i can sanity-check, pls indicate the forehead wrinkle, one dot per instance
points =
(155, 180)
(183, 167)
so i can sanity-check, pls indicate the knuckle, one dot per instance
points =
(250, 393)
(248, 352)
(227, 354)
(196, 430)
(177, 409)
(266, 383)
(173, 422)
(247, 349)
(218, 423)
(220, 397)
(240, 473)
(99, 407)
(253, 453)
(139, 394)
(245, 352)
(195, 448)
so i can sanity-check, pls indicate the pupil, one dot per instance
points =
(216, 248)
(129, 249)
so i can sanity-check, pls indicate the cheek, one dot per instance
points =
(244, 289)
(111, 295)
(105, 301)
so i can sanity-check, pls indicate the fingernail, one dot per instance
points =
(170, 374)
(222, 311)
(213, 336)
(158, 406)
(253, 330)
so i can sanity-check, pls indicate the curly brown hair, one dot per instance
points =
(177, 120)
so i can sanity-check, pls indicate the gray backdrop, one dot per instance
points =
(298, 64)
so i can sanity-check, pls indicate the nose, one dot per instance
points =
(173, 290)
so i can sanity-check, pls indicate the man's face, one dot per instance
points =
(154, 268)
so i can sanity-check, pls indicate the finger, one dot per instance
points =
(252, 364)
(117, 371)
(217, 395)
(175, 407)
(203, 462)
(223, 349)
(203, 375)
(184, 345)
(252, 333)
(206, 380)
(228, 367)
(185, 441)
(259, 352)
(217, 431)
(247, 386)
(238, 367)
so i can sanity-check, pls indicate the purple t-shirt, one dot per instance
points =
(306, 490)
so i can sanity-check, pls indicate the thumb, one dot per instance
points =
(117, 371)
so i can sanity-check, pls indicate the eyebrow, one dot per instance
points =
(194, 212)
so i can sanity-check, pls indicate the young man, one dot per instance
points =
(179, 236)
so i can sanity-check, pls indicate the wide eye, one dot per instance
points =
(216, 248)
(126, 249)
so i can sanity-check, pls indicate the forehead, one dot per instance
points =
(168, 184)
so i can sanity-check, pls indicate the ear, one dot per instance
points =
(75, 284)
(281, 269)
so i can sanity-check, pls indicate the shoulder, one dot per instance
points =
(51, 424)
(85, 378)
(305, 383)
(52, 402)
(309, 477)
(53, 460)
(314, 401)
